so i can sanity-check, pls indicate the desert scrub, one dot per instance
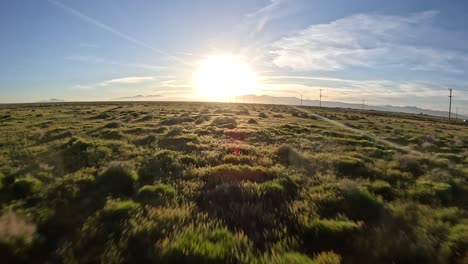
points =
(115, 210)
(117, 180)
(326, 234)
(382, 188)
(234, 174)
(155, 195)
(431, 192)
(196, 245)
(79, 153)
(164, 166)
(224, 122)
(455, 249)
(352, 167)
(26, 186)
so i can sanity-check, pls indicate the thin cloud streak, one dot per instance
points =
(110, 29)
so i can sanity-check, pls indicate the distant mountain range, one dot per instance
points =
(52, 100)
(137, 97)
(265, 99)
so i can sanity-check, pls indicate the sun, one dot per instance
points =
(223, 76)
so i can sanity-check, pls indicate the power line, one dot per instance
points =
(450, 104)
(320, 98)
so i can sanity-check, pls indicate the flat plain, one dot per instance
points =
(167, 182)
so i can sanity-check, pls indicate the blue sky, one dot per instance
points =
(387, 52)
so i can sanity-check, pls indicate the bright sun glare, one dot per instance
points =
(224, 76)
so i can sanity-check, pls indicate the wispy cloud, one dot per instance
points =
(368, 40)
(128, 80)
(103, 26)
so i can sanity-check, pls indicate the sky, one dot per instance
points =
(402, 53)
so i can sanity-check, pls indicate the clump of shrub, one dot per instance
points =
(146, 140)
(26, 186)
(234, 174)
(176, 120)
(237, 159)
(287, 258)
(455, 249)
(288, 156)
(197, 245)
(202, 118)
(112, 134)
(359, 204)
(164, 166)
(351, 167)
(252, 121)
(431, 192)
(225, 122)
(383, 189)
(155, 195)
(113, 125)
(79, 153)
(117, 180)
(119, 209)
(327, 234)
(262, 115)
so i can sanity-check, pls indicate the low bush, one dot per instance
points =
(164, 166)
(202, 118)
(155, 195)
(225, 122)
(383, 189)
(113, 125)
(252, 121)
(455, 249)
(79, 153)
(115, 210)
(207, 246)
(288, 156)
(431, 192)
(26, 186)
(234, 174)
(327, 234)
(287, 258)
(117, 180)
(359, 204)
(352, 167)
(148, 140)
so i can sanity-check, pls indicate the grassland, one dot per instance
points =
(229, 183)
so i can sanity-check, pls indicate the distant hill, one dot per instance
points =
(266, 99)
(52, 100)
(137, 98)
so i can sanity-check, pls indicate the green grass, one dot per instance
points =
(162, 182)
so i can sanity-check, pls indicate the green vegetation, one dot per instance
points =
(229, 183)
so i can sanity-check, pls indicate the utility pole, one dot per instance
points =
(363, 104)
(320, 98)
(301, 100)
(450, 104)
(456, 114)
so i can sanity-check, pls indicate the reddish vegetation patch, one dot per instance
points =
(236, 151)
